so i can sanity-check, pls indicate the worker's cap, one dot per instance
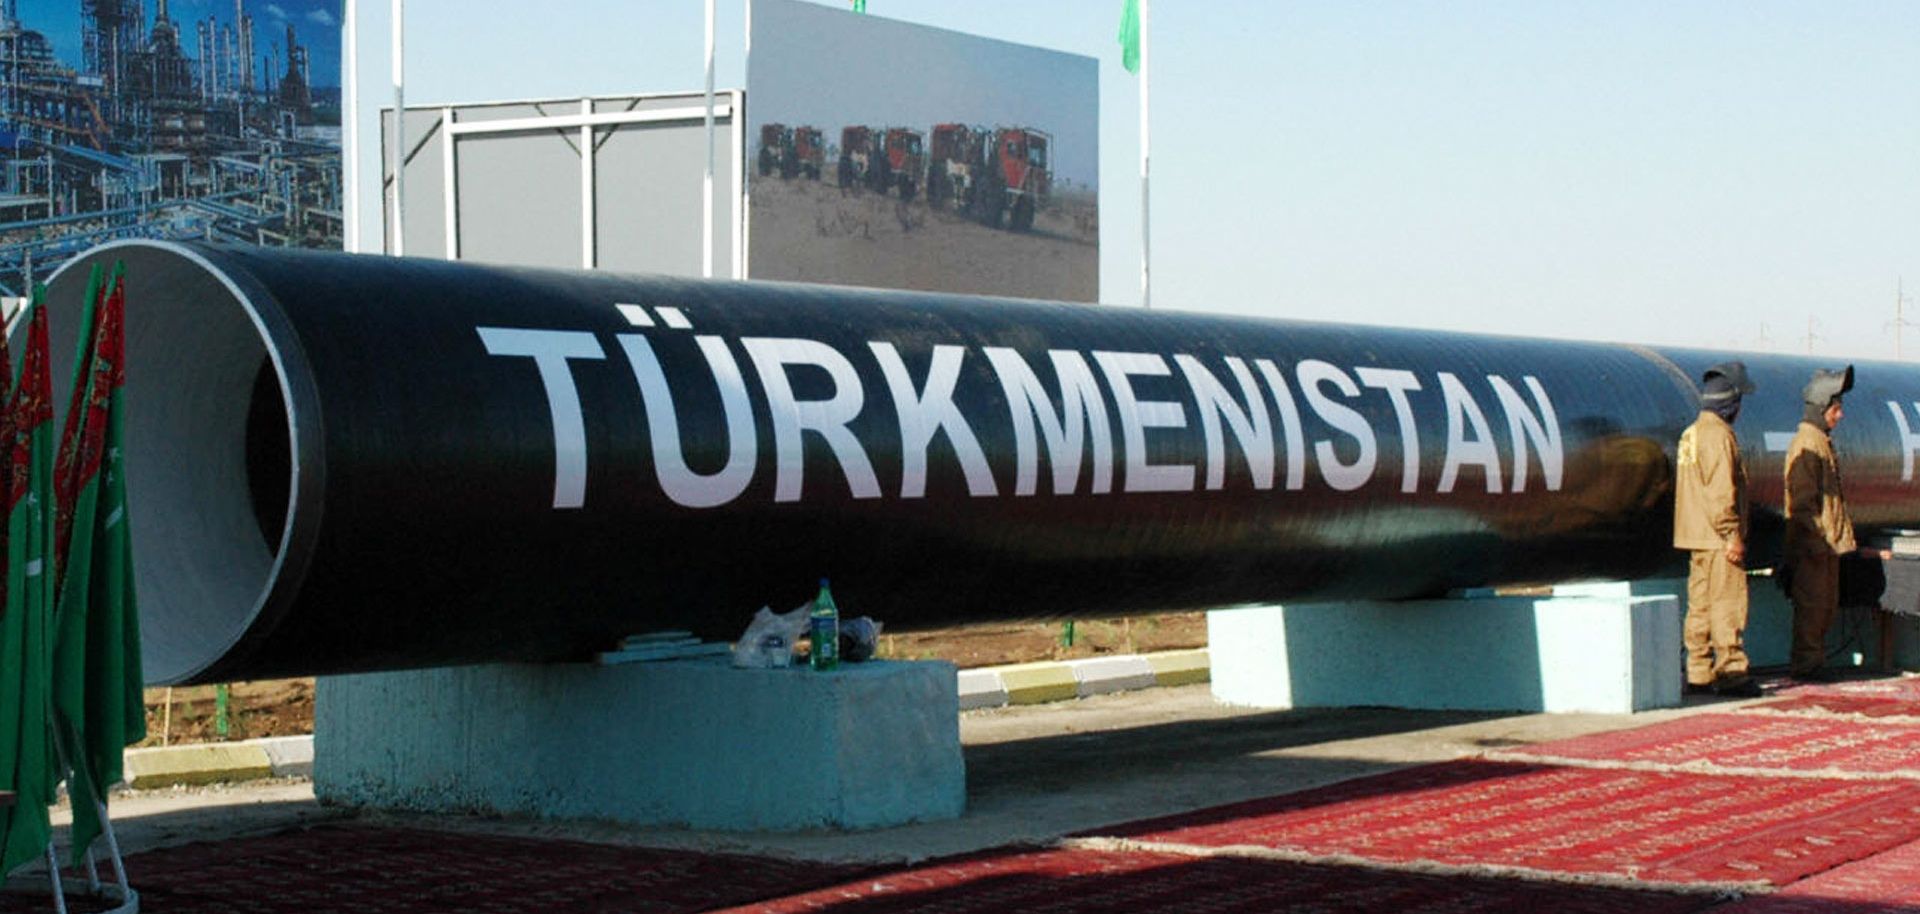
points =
(1725, 381)
(1827, 386)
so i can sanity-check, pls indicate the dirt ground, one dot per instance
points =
(812, 231)
(284, 707)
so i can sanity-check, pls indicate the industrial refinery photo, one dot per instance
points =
(123, 120)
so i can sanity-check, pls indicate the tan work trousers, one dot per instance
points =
(1716, 619)
(1815, 592)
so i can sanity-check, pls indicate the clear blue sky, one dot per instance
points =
(1692, 173)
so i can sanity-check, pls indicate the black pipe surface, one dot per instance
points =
(343, 463)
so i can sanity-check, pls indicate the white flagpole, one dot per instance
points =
(350, 129)
(1146, 234)
(399, 246)
(706, 198)
(742, 232)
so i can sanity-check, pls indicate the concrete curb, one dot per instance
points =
(982, 687)
(212, 763)
(1034, 683)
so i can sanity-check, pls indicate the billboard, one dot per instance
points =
(899, 156)
(119, 119)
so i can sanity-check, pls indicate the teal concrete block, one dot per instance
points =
(1769, 636)
(1608, 655)
(693, 743)
(1615, 653)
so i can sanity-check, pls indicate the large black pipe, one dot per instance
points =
(343, 463)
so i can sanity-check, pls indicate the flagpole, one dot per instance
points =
(742, 229)
(350, 129)
(706, 199)
(399, 246)
(1146, 234)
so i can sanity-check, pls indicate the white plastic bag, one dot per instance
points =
(770, 637)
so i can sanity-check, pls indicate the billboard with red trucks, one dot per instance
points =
(953, 163)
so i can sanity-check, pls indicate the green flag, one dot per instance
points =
(1130, 36)
(859, 6)
(26, 648)
(69, 625)
(96, 670)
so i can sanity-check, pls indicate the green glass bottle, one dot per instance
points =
(823, 625)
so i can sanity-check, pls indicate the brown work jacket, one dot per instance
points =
(1710, 487)
(1816, 509)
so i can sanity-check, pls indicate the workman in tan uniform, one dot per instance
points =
(1819, 531)
(1710, 522)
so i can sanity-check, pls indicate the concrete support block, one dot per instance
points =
(1614, 653)
(1036, 683)
(693, 743)
(1853, 639)
(1100, 675)
(1906, 642)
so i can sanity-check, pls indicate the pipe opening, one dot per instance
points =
(209, 449)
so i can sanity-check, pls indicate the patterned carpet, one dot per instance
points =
(1090, 881)
(368, 870)
(1895, 698)
(1892, 688)
(1750, 741)
(1888, 883)
(1845, 705)
(1663, 827)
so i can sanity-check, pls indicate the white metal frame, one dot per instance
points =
(586, 121)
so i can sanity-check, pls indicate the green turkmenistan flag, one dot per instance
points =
(96, 677)
(26, 636)
(69, 626)
(1130, 36)
(66, 456)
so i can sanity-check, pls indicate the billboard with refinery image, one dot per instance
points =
(211, 120)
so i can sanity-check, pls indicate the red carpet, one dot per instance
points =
(408, 871)
(1863, 705)
(1881, 698)
(41, 902)
(1885, 884)
(1071, 881)
(1897, 688)
(1647, 825)
(1752, 741)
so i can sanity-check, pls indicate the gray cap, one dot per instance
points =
(1734, 381)
(1827, 386)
